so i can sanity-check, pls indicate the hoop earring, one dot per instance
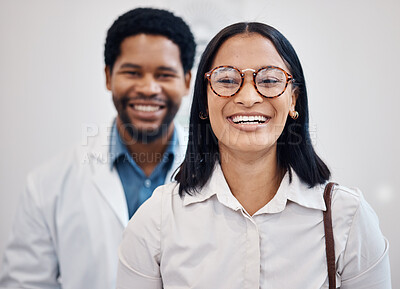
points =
(203, 115)
(294, 114)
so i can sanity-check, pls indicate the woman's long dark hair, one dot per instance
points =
(294, 147)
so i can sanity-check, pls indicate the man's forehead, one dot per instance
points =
(150, 43)
(128, 65)
(145, 49)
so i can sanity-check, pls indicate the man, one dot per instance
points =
(75, 207)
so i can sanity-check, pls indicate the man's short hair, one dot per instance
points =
(154, 22)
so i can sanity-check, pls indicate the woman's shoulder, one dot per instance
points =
(350, 208)
(170, 190)
(359, 243)
(346, 198)
(347, 192)
(165, 195)
(347, 203)
(151, 209)
(141, 243)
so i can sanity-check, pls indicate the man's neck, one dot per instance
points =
(146, 155)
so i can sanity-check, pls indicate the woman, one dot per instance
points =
(247, 208)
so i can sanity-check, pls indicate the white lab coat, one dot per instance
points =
(70, 220)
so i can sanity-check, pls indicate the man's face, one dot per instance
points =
(147, 84)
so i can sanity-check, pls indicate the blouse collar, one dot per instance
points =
(295, 191)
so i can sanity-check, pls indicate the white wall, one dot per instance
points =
(52, 83)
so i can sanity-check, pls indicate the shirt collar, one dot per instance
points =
(118, 148)
(218, 186)
(172, 144)
(294, 191)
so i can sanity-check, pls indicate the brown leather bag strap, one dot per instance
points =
(329, 242)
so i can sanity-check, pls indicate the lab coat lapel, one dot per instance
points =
(109, 185)
(106, 179)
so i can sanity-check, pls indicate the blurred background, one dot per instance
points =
(52, 85)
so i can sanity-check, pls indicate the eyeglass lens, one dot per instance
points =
(270, 82)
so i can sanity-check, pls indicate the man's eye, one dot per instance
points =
(166, 75)
(132, 73)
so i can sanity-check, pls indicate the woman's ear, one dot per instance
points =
(295, 95)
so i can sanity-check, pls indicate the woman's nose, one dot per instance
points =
(248, 95)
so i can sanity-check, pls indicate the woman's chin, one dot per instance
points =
(247, 147)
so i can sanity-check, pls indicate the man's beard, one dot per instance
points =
(145, 136)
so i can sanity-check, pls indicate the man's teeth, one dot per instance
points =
(253, 119)
(142, 107)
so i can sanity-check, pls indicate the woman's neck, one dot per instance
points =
(254, 178)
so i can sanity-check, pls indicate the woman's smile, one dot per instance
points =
(248, 121)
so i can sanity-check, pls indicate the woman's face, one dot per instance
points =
(231, 118)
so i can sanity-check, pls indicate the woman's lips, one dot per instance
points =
(248, 121)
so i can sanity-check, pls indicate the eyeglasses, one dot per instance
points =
(270, 81)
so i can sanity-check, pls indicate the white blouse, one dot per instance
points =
(209, 240)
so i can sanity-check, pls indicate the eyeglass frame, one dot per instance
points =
(289, 78)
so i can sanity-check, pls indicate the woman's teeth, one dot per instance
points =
(253, 119)
(142, 107)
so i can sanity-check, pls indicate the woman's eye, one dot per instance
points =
(227, 81)
(268, 81)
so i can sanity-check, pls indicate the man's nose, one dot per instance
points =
(148, 85)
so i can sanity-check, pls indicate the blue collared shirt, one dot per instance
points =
(137, 186)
